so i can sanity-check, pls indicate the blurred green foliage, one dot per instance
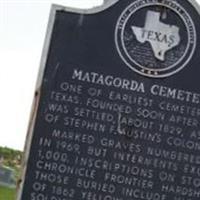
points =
(11, 157)
(7, 193)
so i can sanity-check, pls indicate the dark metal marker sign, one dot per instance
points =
(116, 114)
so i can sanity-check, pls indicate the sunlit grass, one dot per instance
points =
(7, 193)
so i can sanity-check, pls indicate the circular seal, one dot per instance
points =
(155, 38)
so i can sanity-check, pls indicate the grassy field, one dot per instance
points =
(7, 193)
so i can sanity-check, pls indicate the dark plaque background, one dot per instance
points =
(131, 149)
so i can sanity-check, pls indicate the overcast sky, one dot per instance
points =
(23, 26)
(22, 30)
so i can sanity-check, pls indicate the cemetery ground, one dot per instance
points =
(10, 158)
(7, 193)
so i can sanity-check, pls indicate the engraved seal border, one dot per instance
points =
(142, 70)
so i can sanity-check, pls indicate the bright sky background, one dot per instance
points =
(23, 25)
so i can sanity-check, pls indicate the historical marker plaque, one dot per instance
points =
(117, 109)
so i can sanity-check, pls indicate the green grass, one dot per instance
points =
(7, 193)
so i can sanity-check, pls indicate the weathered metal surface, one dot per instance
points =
(116, 113)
